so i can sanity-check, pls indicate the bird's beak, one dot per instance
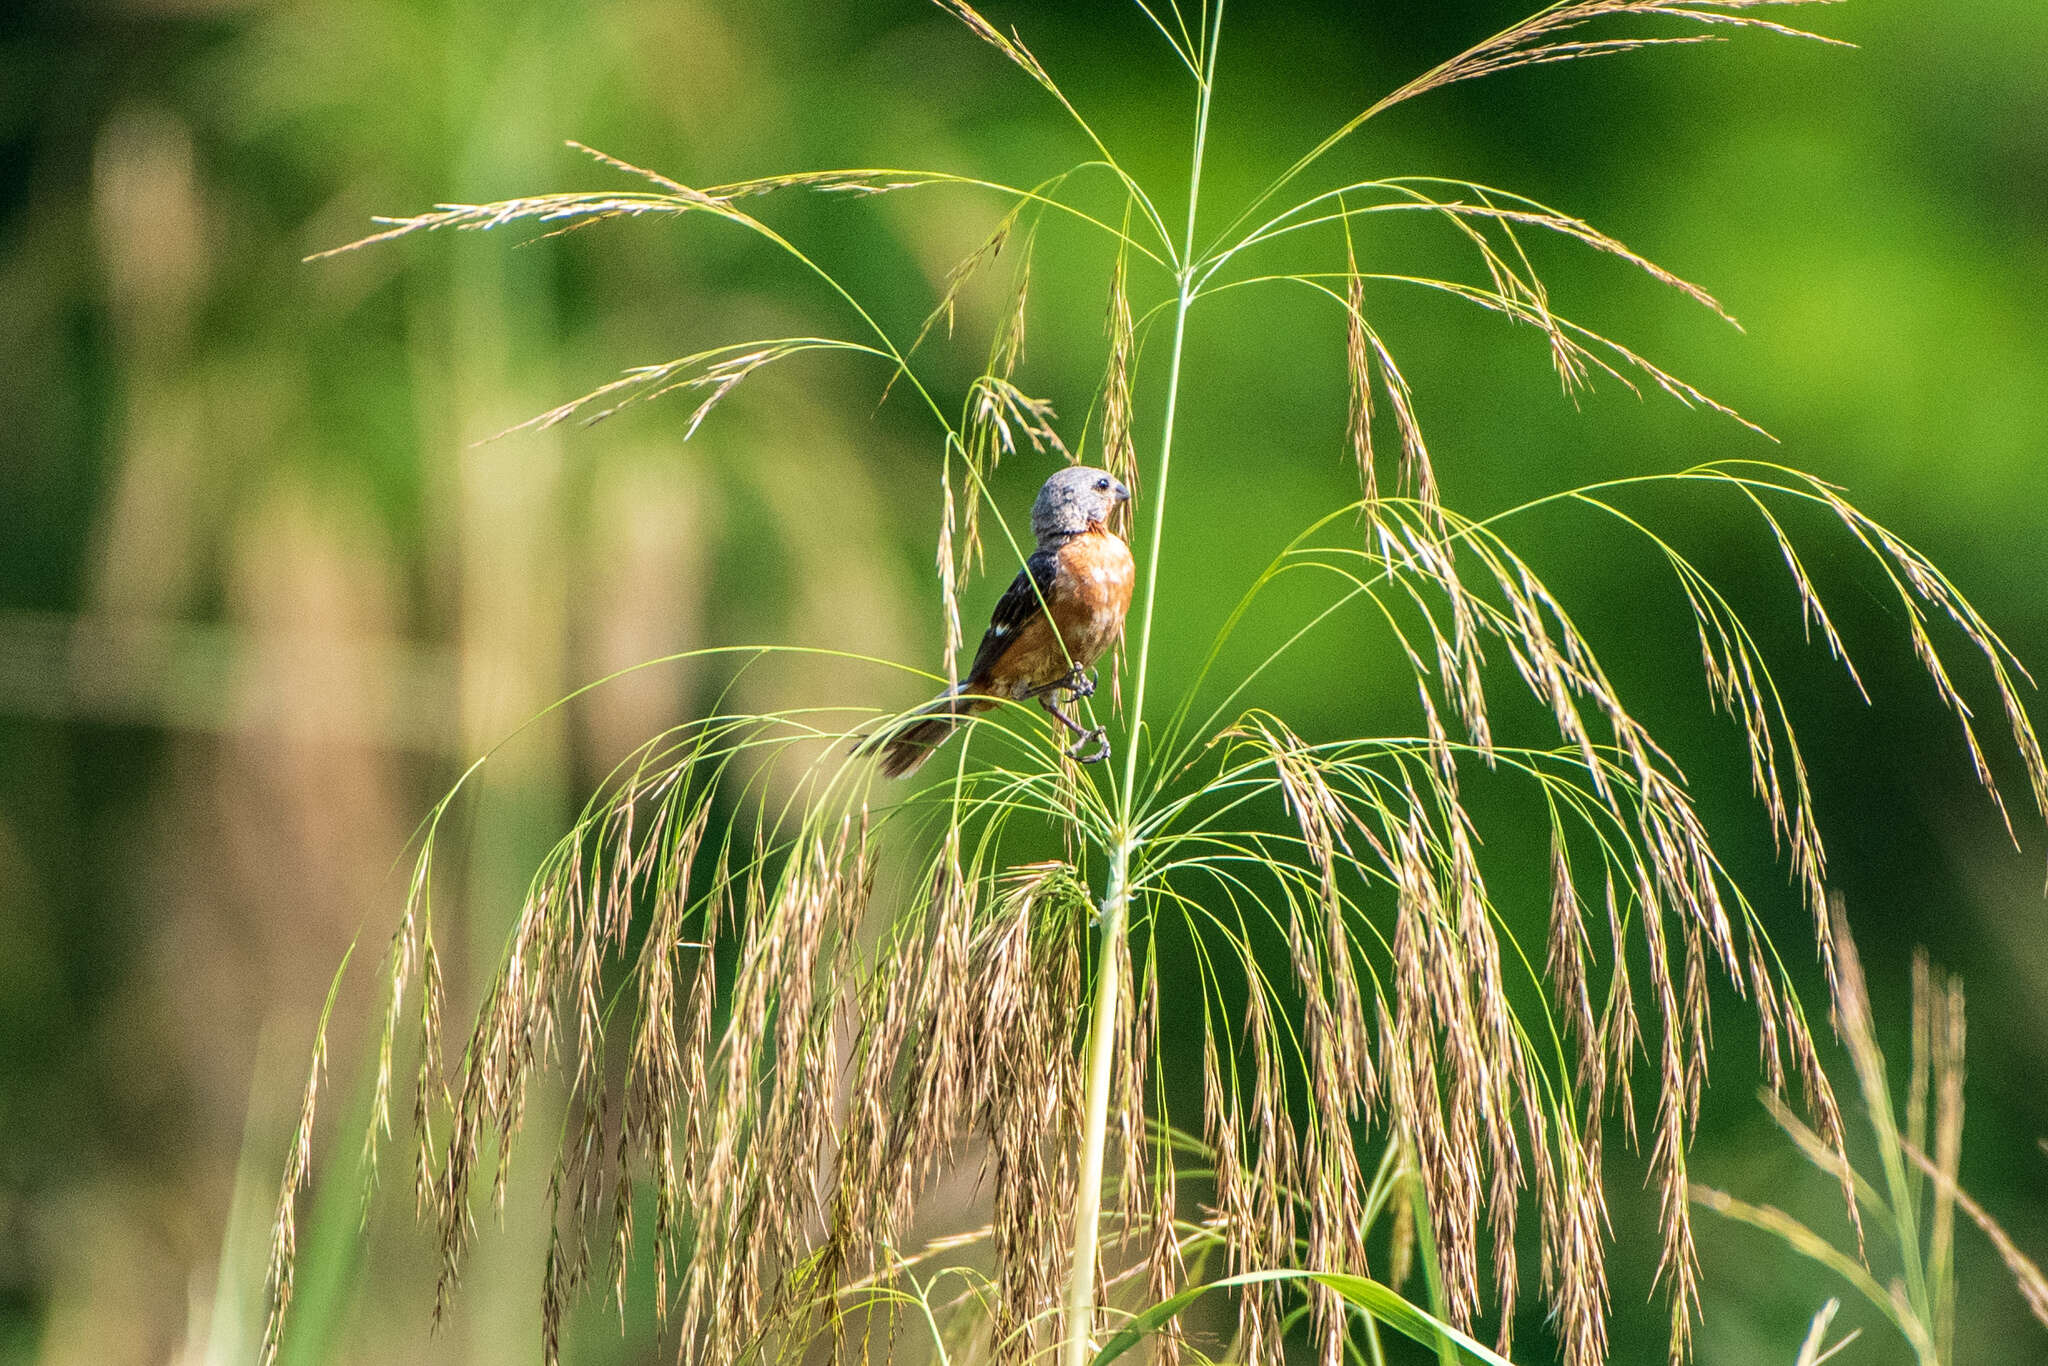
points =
(1123, 495)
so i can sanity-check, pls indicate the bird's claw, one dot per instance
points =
(1079, 682)
(1101, 738)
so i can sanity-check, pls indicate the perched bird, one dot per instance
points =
(1065, 607)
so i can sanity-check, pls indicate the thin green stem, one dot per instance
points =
(1116, 900)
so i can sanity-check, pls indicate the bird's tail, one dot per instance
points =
(908, 743)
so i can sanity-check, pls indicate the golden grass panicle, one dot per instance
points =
(1358, 370)
(1549, 36)
(1119, 452)
(1565, 966)
(1137, 1030)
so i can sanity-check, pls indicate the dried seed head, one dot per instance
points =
(1358, 367)
(1119, 454)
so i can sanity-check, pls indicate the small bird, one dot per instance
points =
(1063, 610)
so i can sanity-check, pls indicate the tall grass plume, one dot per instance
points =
(786, 1007)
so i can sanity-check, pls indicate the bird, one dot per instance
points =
(1063, 610)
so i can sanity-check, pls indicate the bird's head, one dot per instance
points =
(1073, 499)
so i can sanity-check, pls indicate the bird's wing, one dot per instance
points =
(1024, 599)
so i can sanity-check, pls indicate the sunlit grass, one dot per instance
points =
(822, 998)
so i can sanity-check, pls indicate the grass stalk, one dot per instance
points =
(1116, 901)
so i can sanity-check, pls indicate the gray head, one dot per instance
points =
(1073, 498)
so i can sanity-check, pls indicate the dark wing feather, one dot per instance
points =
(1024, 599)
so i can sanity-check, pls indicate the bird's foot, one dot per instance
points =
(1101, 751)
(1083, 736)
(1076, 683)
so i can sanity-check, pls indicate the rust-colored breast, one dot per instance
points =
(1088, 599)
(1096, 574)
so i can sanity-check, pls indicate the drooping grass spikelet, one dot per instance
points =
(280, 1277)
(1565, 965)
(1119, 453)
(1542, 38)
(1358, 369)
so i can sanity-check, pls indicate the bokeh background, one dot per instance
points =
(262, 598)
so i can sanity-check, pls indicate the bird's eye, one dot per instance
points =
(1102, 483)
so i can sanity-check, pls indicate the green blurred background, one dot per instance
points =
(261, 597)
